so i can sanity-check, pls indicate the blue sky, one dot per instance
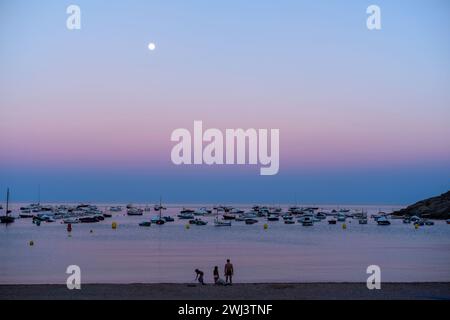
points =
(87, 115)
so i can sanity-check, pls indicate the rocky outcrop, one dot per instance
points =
(432, 208)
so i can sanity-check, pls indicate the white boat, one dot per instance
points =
(115, 209)
(295, 210)
(135, 212)
(185, 215)
(250, 215)
(221, 223)
(25, 213)
(321, 216)
(362, 221)
(71, 221)
(198, 222)
(154, 219)
(383, 221)
(341, 217)
(307, 221)
(250, 221)
(202, 212)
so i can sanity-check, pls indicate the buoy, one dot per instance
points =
(69, 227)
(31, 243)
(114, 225)
(266, 226)
(92, 231)
(416, 226)
(344, 226)
(187, 226)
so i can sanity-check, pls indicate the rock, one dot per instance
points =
(432, 208)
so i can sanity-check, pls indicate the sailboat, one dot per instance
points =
(219, 223)
(7, 218)
(160, 221)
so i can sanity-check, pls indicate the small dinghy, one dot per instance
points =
(332, 221)
(289, 221)
(135, 212)
(219, 223)
(160, 222)
(186, 216)
(145, 224)
(307, 221)
(200, 222)
(88, 219)
(383, 221)
(71, 221)
(273, 218)
(429, 223)
(250, 221)
(25, 213)
(107, 215)
(362, 221)
(168, 219)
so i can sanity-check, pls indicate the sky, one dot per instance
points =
(87, 114)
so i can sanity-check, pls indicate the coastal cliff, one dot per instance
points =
(433, 208)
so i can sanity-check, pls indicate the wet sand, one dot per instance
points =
(260, 291)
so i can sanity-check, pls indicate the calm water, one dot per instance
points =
(170, 253)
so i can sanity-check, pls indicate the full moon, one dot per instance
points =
(151, 46)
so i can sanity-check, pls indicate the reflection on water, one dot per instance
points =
(170, 253)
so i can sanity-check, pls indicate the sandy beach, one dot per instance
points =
(260, 291)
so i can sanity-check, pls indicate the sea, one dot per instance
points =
(171, 252)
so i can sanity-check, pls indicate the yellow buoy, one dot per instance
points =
(187, 226)
(416, 226)
(344, 226)
(114, 225)
(266, 226)
(31, 243)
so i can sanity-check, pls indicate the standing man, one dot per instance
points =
(229, 271)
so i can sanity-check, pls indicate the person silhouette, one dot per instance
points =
(229, 271)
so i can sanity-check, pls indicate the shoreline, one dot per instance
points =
(238, 291)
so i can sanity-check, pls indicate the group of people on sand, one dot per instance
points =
(228, 273)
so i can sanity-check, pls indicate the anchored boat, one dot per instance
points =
(7, 218)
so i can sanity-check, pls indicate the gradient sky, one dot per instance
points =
(87, 115)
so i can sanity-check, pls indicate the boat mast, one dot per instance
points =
(39, 194)
(160, 207)
(7, 201)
